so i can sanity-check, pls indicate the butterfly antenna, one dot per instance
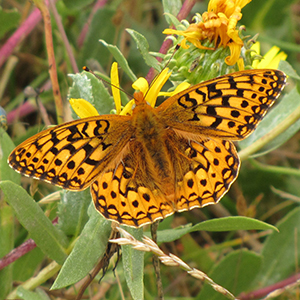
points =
(165, 66)
(85, 68)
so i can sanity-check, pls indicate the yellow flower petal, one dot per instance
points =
(83, 108)
(235, 51)
(256, 48)
(181, 87)
(275, 62)
(127, 110)
(241, 64)
(271, 59)
(151, 93)
(141, 84)
(115, 86)
(156, 86)
(218, 25)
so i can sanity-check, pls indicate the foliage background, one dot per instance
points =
(238, 260)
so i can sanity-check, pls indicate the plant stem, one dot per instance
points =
(37, 280)
(183, 13)
(51, 59)
(64, 36)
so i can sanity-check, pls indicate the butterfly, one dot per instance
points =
(148, 165)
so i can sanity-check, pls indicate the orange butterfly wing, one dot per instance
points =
(228, 107)
(72, 155)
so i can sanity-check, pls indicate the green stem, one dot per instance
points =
(37, 280)
(275, 169)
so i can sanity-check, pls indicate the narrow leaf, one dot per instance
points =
(91, 89)
(6, 245)
(72, 211)
(220, 224)
(288, 69)
(143, 47)
(171, 7)
(121, 60)
(133, 264)
(51, 240)
(281, 251)
(29, 295)
(90, 246)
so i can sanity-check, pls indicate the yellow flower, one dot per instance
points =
(85, 109)
(270, 60)
(218, 25)
(151, 93)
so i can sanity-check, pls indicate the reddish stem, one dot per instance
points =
(183, 13)
(20, 112)
(99, 4)
(64, 36)
(258, 294)
(18, 252)
(20, 34)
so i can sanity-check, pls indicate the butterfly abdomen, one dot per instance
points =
(150, 135)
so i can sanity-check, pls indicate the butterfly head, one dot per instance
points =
(139, 98)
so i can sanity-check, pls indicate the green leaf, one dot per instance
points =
(288, 69)
(278, 114)
(81, 87)
(199, 255)
(6, 147)
(101, 27)
(121, 60)
(72, 211)
(143, 47)
(171, 7)
(220, 224)
(90, 88)
(172, 20)
(77, 4)
(235, 272)
(6, 245)
(29, 295)
(9, 19)
(233, 223)
(281, 251)
(51, 240)
(133, 265)
(89, 247)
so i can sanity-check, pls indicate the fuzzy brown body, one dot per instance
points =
(149, 144)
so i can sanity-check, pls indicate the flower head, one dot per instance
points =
(218, 26)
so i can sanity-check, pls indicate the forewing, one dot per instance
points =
(73, 154)
(228, 107)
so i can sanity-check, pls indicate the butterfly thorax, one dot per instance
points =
(149, 141)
